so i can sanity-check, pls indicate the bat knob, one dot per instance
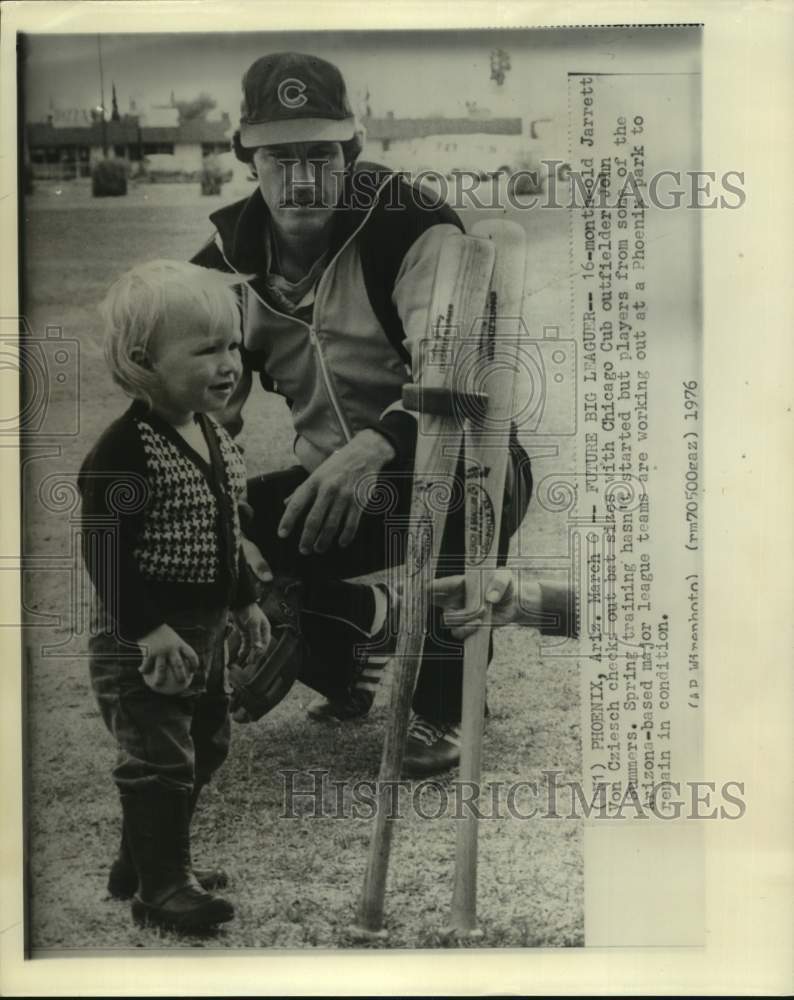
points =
(465, 934)
(359, 933)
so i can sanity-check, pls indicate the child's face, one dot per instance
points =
(197, 370)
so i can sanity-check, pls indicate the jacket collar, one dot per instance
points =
(242, 225)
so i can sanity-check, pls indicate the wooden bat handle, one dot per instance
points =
(463, 916)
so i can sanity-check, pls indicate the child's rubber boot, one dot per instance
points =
(123, 879)
(157, 824)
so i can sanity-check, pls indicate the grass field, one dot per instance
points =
(294, 882)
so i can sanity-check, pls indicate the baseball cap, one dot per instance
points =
(292, 97)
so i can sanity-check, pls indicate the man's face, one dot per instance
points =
(301, 183)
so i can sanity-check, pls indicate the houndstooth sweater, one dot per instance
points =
(169, 522)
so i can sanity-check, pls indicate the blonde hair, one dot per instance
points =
(137, 306)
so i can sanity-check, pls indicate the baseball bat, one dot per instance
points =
(460, 288)
(492, 373)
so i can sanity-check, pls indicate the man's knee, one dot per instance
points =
(261, 514)
(265, 496)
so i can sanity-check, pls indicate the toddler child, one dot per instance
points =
(165, 478)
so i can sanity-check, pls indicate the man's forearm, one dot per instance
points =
(376, 444)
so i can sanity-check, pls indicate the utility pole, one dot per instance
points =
(102, 98)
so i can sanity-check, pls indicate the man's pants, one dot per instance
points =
(176, 740)
(379, 544)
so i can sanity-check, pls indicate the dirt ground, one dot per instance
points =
(294, 881)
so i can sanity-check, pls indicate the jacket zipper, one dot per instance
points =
(314, 340)
(329, 387)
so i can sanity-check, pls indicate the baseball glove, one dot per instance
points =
(259, 684)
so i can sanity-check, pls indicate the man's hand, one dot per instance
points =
(168, 661)
(450, 593)
(329, 494)
(254, 628)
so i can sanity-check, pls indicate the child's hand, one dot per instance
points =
(168, 661)
(255, 631)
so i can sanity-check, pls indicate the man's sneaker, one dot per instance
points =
(430, 747)
(356, 702)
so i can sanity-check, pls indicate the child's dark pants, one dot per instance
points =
(174, 740)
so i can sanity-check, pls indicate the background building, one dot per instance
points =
(177, 149)
(476, 143)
